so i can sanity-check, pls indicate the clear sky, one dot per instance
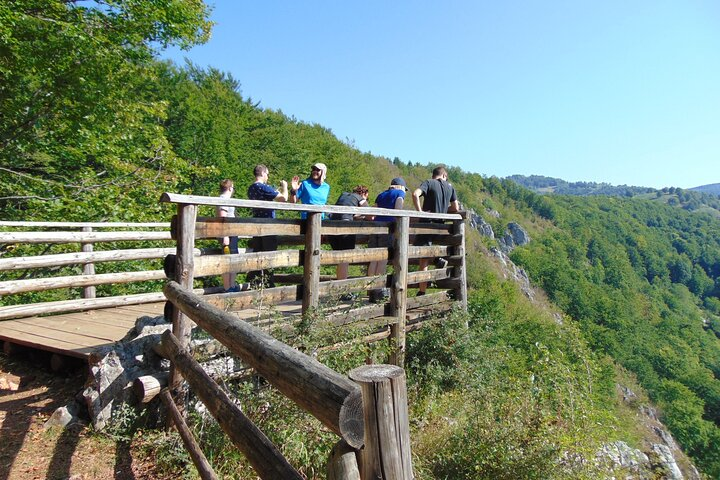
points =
(616, 91)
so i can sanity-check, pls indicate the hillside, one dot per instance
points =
(700, 199)
(713, 189)
(536, 387)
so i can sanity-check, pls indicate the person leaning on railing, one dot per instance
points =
(357, 198)
(260, 190)
(439, 197)
(229, 244)
(393, 198)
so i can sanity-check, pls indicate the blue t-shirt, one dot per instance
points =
(310, 193)
(387, 199)
(262, 191)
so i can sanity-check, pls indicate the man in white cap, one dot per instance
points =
(313, 190)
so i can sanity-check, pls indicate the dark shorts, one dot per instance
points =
(342, 242)
(378, 241)
(264, 244)
(423, 240)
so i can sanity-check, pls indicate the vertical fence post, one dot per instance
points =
(88, 268)
(184, 265)
(386, 454)
(311, 274)
(398, 290)
(460, 292)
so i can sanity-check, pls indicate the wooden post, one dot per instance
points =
(264, 457)
(88, 268)
(460, 270)
(196, 454)
(386, 454)
(184, 266)
(343, 464)
(311, 274)
(398, 289)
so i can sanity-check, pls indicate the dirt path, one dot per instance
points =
(29, 394)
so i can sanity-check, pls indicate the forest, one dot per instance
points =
(94, 127)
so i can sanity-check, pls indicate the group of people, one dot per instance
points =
(434, 195)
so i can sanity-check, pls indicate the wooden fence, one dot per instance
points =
(24, 274)
(369, 411)
(308, 237)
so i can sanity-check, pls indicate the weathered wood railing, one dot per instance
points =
(34, 273)
(309, 236)
(369, 410)
(382, 427)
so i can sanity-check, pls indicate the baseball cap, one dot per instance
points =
(399, 181)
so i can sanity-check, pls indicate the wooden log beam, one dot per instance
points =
(6, 223)
(80, 237)
(398, 289)
(428, 251)
(233, 302)
(169, 197)
(83, 304)
(147, 387)
(241, 262)
(184, 275)
(218, 227)
(12, 287)
(204, 468)
(460, 270)
(81, 258)
(264, 457)
(297, 278)
(330, 397)
(88, 268)
(386, 453)
(427, 276)
(359, 255)
(311, 264)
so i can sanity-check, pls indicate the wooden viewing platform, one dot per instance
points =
(83, 321)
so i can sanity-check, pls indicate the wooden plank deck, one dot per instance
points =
(79, 334)
(76, 334)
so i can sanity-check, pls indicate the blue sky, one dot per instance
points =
(624, 92)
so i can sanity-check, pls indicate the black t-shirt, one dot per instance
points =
(438, 194)
(347, 199)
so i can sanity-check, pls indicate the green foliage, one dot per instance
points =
(77, 128)
(635, 275)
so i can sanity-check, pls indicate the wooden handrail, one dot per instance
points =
(299, 207)
(6, 223)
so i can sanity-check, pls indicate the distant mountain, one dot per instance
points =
(713, 189)
(542, 184)
(702, 199)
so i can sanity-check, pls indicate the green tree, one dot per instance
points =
(74, 84)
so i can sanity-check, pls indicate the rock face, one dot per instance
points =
(513, 272)
(660, 456)
(113, 369)
(515, 236)
(630, 461)
(478, 223)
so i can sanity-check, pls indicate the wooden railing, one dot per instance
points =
(368, 411)
(35, 273)
(380, 392)
(308, 237)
